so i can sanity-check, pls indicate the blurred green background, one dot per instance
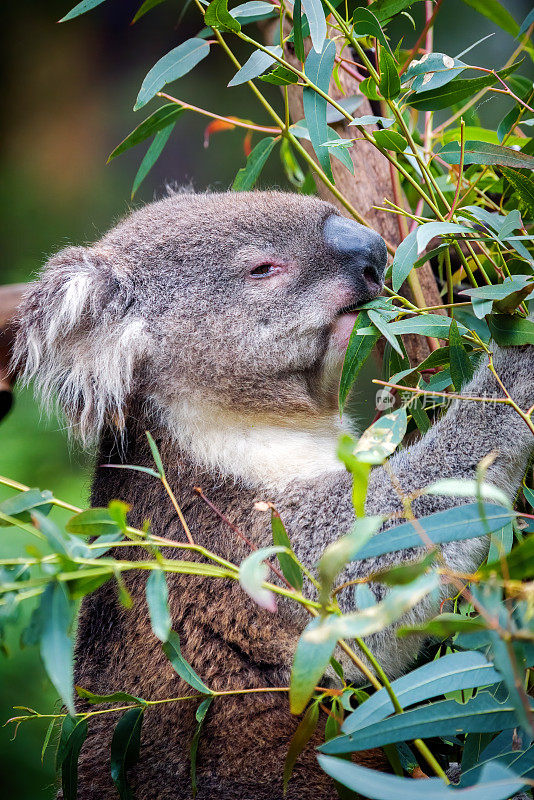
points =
(67, 98)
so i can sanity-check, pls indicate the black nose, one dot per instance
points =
(361, 251)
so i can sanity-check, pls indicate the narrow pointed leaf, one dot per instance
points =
(508, 331)
(144, 8)
(454, 92)
(57, 645)
(366, 24)
(81, 8)
(172, 650)
(496, 783)
(157, 598)
(318, 68)
(125, 747)
(486, 153)
(310, 662)
(257, 63)
(290, 569)
(174, 65)
(305, 730)
(358, 351)
(482, 713)
(317, 22)
(21, 504)
(298, 39)
(390, 84)
(403, 261)
(68, 753)
(452, 525)
(497, 13)
(200, 715)
(461, 368)
(217, 16)
(248, 175)
(463, 670)
(158, 120)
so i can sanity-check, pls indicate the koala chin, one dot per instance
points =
(219, 323)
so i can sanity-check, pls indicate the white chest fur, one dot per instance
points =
(268, 453)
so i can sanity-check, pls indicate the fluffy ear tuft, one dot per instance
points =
(79, 338)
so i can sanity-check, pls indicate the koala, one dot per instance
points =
(219, 322)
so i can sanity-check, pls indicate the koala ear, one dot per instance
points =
(79, 338)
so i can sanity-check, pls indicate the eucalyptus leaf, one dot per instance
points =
(257, 63)
(452, 525)
(358, 351)
(81, 8)
(253, 573)
(125, 746)
(57, 643)
(316, 18)
(305, 730)
(171, 648)
(158, 120)
(177, 63)
(68, 753)
(464, 670)
(318, 69)
(157, 598)
(310, 662)
(248, 175)
(217, 16)
(486, 153)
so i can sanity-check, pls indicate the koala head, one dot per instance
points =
(241, 300)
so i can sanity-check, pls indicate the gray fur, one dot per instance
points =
(158, 326)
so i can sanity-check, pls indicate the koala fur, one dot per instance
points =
(160, 326)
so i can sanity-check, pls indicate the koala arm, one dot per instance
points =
(452, 448)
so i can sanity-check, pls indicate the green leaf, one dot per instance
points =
(486, 153)
(114, 697)
(280, 76)
(430, 230)
(390, 84)
(432, 71)
(318, 69)
(158, 120)
(125, 747)
(81, 8)
(425, 325)
(508, 331)
(391, 140)
(466, 487)
(381, 324)
(57, 645)
(482, 713)
(172, 650)
(350, 104)
(317, 22)
(366, 24)
(257, 63)
(401, 574)
(253, 9)
(496, 783)
(500, 290)
(376, 618)
(335, 143)
(527, 22)
(464, 670)
(342, 551)
(157, 598)
(461, 368)
(454, 92)
(173, 65)
(446, 625)
(92, 522)
(520, 562)
(217, 16)
(369, 119)
(21, 504)
(298, 39)
(155, 454)
(200, 715)
(253, 573)
(358, 350)
(523, 185)
(151, 156)
(290, 569)
(305, 730)
(144, 8)
(452, 525)
(403, 261)
(310, 662)
(68, 753)
(494, 11)
(249, 174)
(382, 438)
(385, 10)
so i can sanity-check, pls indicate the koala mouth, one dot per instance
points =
(350, 309)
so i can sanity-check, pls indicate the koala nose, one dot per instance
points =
(361, 251)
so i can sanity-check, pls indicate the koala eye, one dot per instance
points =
(264, 270)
